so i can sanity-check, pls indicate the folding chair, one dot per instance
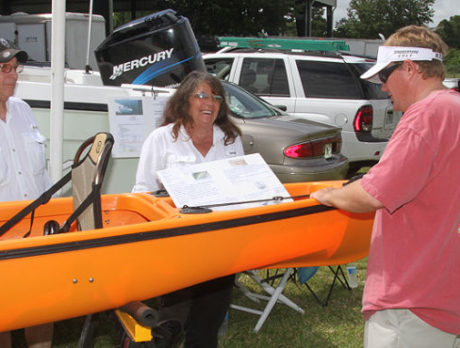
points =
(275, 293)
(275, 290)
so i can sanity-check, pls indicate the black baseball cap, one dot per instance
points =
(8, 51)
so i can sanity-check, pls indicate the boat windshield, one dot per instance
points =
(245, 105)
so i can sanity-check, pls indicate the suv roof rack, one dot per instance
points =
(283, 44)
(333, 54)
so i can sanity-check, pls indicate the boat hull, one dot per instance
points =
(148, 248)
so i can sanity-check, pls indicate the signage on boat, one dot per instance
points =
(120, 69)
(131, 119)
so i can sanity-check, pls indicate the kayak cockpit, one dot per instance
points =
(117, 210)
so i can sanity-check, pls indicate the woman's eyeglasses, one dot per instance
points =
(384, 74)
(6, 68)
(205, 96)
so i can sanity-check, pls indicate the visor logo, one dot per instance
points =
(120, 69)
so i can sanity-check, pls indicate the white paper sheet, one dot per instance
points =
(236, 179)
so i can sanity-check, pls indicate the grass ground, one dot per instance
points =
(340, 324)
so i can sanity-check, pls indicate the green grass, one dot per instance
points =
(340, 324)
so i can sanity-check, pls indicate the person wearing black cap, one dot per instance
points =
(411, 295)
(23, 174)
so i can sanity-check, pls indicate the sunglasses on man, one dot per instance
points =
(384, 74)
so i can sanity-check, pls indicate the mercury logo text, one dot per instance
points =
(140, 62)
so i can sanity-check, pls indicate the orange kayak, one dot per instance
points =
(147, 247)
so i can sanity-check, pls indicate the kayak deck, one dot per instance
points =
(117, 210)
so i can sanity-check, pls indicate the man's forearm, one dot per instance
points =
(351, 197)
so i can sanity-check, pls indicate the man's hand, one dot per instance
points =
(323, 196)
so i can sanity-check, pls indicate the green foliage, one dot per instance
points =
(318, 23)
(368, 18)
(120, 18)
(452, 62)
(449, 30)
(236, 17)
(230, 17)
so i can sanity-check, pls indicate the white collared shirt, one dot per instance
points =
(23, 173)
(161, 151)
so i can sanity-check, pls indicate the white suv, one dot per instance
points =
(319, 86)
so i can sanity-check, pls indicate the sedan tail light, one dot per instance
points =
(363, 119)
(316, 148)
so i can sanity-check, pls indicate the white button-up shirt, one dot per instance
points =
(23, 173)
(161, 151)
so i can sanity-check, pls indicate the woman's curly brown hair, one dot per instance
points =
(177, 108)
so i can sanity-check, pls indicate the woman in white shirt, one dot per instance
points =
(196, 129)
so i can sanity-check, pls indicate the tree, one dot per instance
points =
(369, 18)
(231, 17)
(449, 30)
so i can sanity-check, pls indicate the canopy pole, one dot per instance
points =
(57, 88)
(88, 41)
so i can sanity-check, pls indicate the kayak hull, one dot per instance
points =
(148, 248)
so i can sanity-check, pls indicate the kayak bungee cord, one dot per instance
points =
(207, 208)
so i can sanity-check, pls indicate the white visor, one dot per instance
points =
(388, 54)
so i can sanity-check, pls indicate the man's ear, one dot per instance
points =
(411, 67)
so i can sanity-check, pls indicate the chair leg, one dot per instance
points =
(338, 275)
(275, 294)
(345, 283)
(321, 303)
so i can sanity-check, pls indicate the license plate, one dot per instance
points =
(328, 151)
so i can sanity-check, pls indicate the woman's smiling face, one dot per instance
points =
(203, 107)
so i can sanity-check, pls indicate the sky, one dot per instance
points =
(443, 9)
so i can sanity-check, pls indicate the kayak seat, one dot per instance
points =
(86, 175)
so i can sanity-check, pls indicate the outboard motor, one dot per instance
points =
(159, 50)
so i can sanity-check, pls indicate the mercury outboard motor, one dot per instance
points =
(158, 50)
